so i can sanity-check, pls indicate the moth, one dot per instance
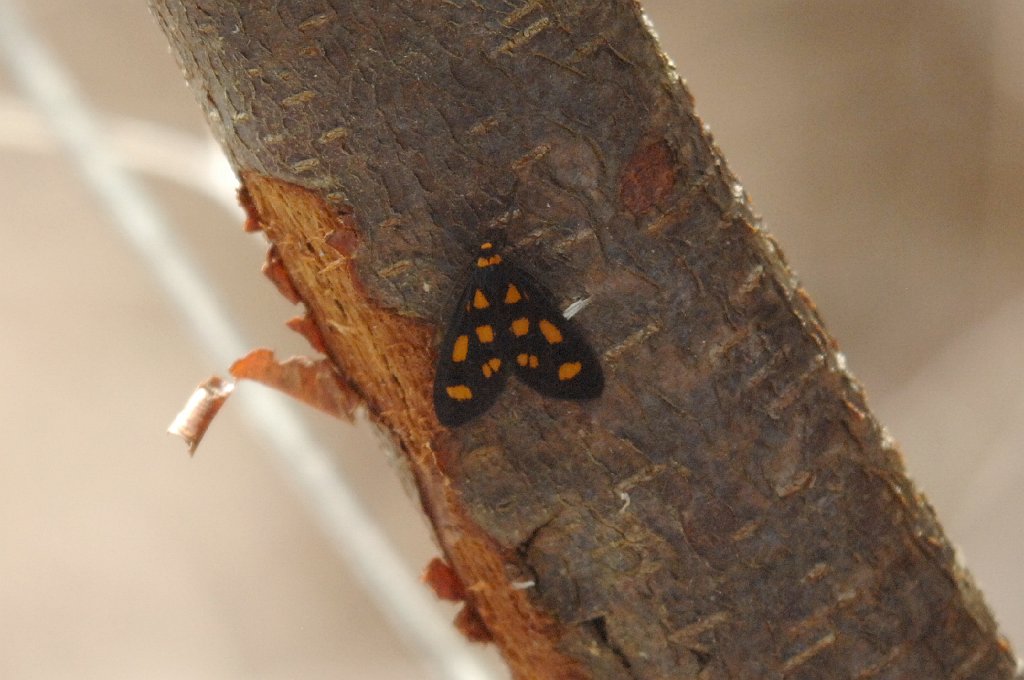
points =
(505, 323)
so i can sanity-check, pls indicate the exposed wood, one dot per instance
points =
(729, 508)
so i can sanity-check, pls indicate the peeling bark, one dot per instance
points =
(729, 508)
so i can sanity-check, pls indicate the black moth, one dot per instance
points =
(504, 323)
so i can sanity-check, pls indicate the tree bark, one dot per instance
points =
(729, 508)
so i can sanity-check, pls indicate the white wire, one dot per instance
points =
(353, 534)
(193, 162)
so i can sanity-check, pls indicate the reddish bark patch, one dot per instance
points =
(344, 239)
(313, 382)
(647, 179)
(447, 586)
(443, 580)
(307, 328)
(470, 624)
(252, 218)
(274, 270)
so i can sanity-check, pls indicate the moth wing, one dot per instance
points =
(547, 351)
(470, 366)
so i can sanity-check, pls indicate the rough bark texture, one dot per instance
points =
(729, 508)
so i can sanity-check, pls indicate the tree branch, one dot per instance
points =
(729, 507)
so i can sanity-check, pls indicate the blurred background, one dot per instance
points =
(882, 142)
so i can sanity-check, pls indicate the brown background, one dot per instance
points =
(883, 142)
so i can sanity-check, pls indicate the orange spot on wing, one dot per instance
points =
(530, 360)
(480, 300)
(550, 331)
(459, 392)
(512, 295)
(520, 327)
(569, 370)
(460, 349)
(488, 261)
(486, 246)
(491, 367)
(485, 333)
